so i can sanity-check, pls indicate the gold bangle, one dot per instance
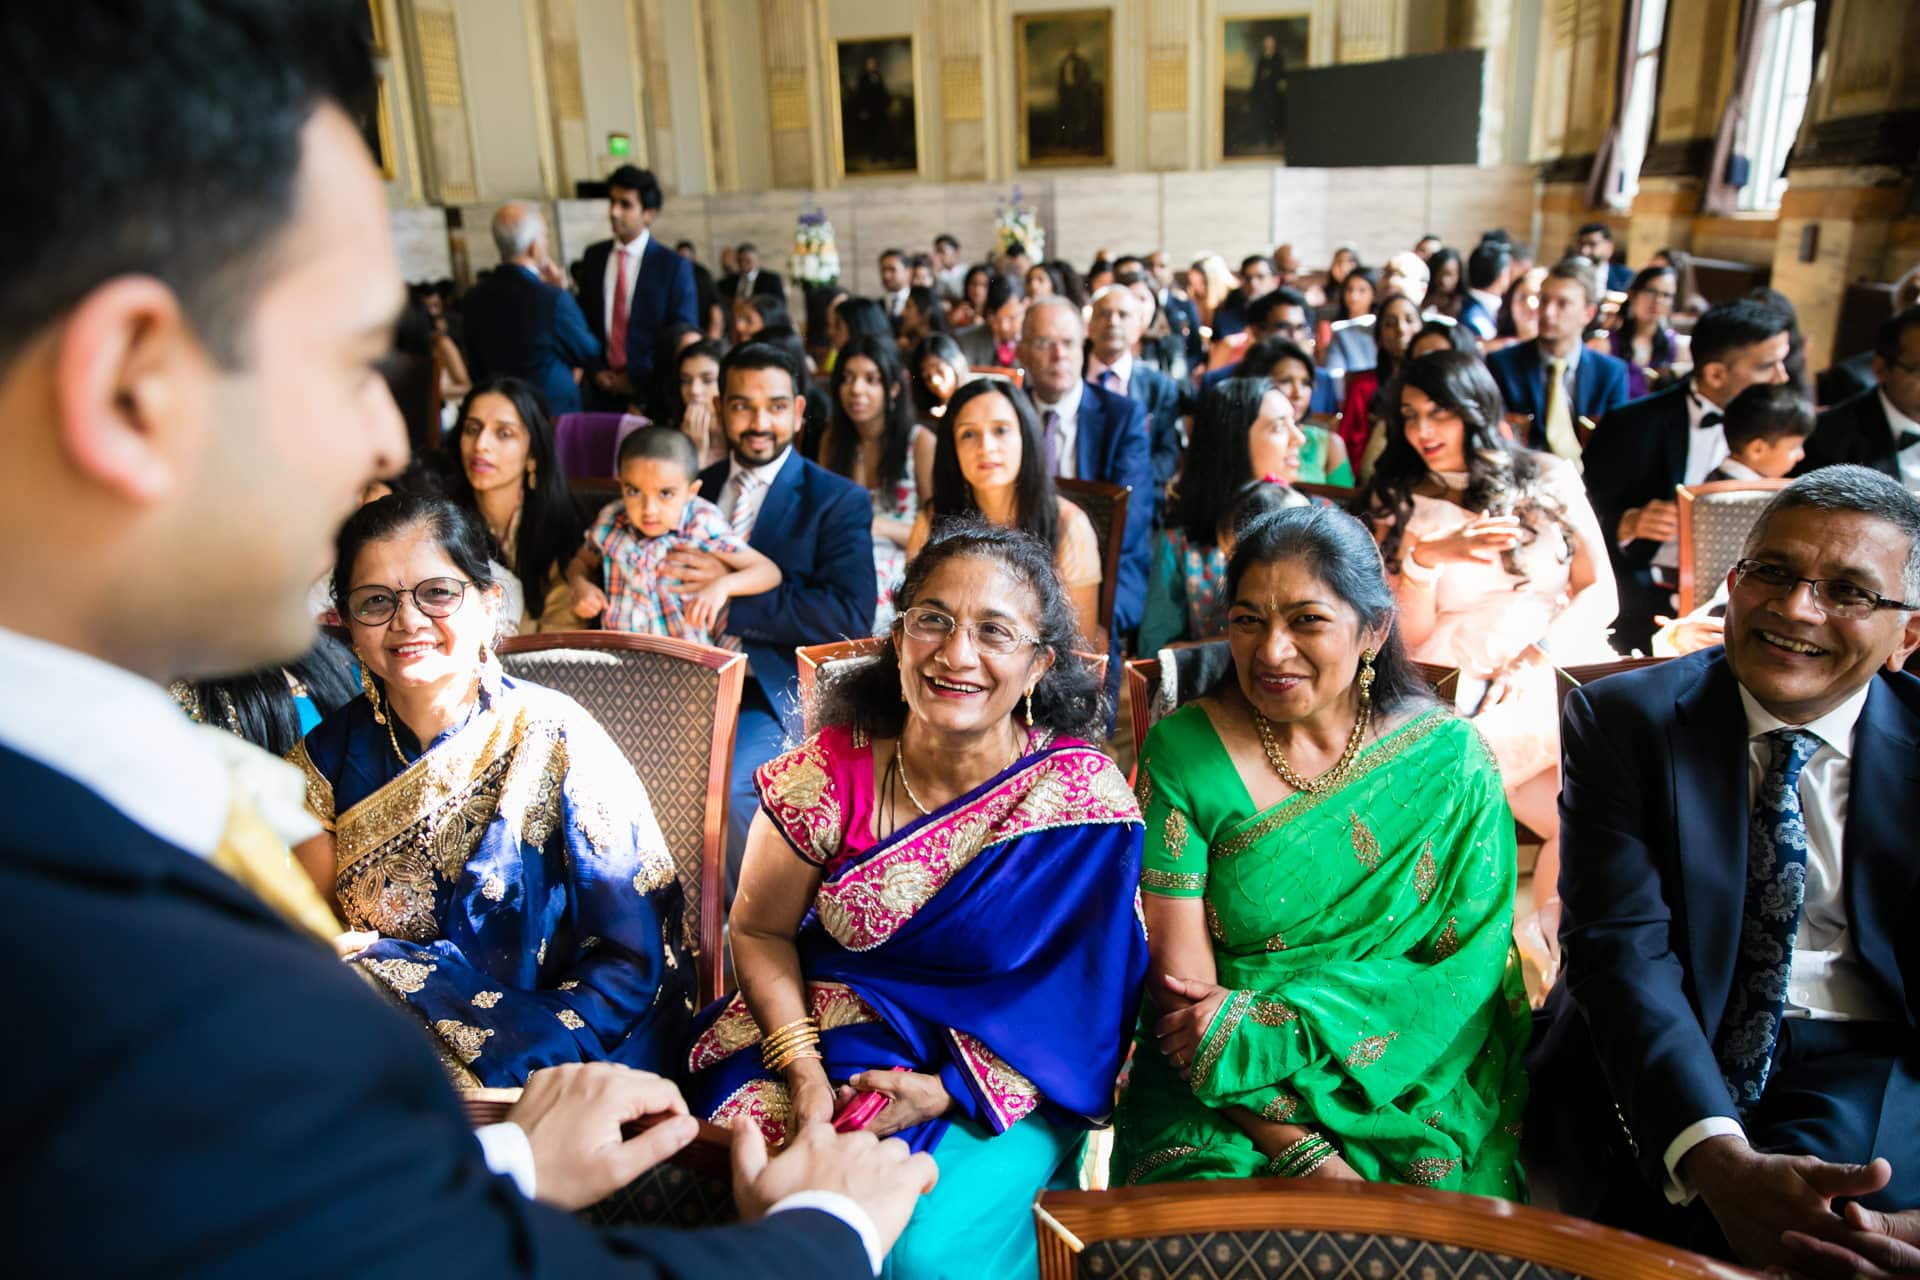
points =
(792, 1056)
(799, 1026)
(787, 1037)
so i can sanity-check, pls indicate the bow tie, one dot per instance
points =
(1906, 440)
(1710, 419)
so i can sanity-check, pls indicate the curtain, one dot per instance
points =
(1722, 197)
(1603, 181)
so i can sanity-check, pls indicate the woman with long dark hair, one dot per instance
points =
(757, 312)
(971, 305)
(937, 369)
(873, 440)
(696, 399)
(1446, 281)
(921, 315)
(1641, 335)
(509, 477)
(990, 460)
(1396, 320)
(1501, 571)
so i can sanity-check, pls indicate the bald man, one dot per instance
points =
(521, 321)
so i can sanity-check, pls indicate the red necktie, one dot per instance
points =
(617, 331)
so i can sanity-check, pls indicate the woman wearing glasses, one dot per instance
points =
(496, 856)
(935, 915)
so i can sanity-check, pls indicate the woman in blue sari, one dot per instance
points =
(495, 853)
(937, 907)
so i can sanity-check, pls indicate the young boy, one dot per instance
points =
(657, 514)
(1766, 427)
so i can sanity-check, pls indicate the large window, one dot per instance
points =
(1636, 122)
(1779, 101)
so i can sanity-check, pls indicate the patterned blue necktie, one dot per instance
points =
(1776, 885)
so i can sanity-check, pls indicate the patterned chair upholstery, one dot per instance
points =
(1106, 508)
(1714, 522)
(1281, 1229)
(671, 705)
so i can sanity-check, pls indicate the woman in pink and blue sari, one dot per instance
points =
(936, 911)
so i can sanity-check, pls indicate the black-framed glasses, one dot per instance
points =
(375, 604)
(1835, 597)
(930, 626)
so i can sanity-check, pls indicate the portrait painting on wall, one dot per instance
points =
(1065, 74)
(877, 106)
(1255, 56)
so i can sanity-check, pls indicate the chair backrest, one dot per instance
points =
(813, 662)
(671, 705)
(1017, 376)
(1568, 678)
(1338, 494)
(1106, 508)
(591, 494)
(1715, 520)
(585, 443)
(1308, 1229)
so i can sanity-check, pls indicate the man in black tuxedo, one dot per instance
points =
(749, 277)
(632, 288)
(200, 1087)
(1183, 318)
(1880, 427)
(1112, 330)
(1738, 871)
(1644, 449)
(521, 320)
(706, 293)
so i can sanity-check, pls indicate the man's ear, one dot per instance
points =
(1909, 641)
(127, 367)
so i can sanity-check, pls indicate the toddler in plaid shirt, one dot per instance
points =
(659, 513)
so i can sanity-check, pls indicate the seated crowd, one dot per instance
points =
(1363, 521)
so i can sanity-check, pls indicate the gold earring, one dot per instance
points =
(1029, 706)
(1366, 673)
(373, 692)
(533, 474)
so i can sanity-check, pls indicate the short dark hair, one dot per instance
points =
(1600, 229)
(1581, 272)
(205, 101)
(1766, 411)
(750, 356)
(1254, 499)
(1261, 358)
(1247, 262)
(893, 253)
(1001, 290)
(1484, 265)
(1730, 326)
(1886, 342)
(456, 530)
(684, 244)
(658, 444)
(746, 246)
(640, 181)
(1261, 311)
(945, 241)
(1862, 490)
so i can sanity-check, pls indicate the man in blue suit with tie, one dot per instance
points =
(632, 289)
(197, 1086)
(521, 321)
(1093, 434)
(817, 526)
(1589, 384)
(1738, 875)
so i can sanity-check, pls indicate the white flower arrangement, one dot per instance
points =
(815, 261)
(1016, 227)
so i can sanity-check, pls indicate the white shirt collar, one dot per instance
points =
(636, 246)
(1698, 407)
(766, 473)
(1068, 408)
(1572, 358)
(1491, 301)
(1122, 369)
(119, 735)
(1739, 470)
(1834, 728)
(1896, 420)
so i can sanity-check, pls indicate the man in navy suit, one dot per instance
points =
(1282, 314)
(1095, 434)
(1112, 331)
(1489, 271)
(1590, 385)
(1673, 437)
(197, 1086)
(817, 526)
(522, 321)
(632, 288)
(1596, 246)
(1738, 876)
(1183, 317)
(1879, 427)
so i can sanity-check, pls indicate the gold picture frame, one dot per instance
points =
(1065, 118)
(377, 17)
(1246, 130)
(899, 153)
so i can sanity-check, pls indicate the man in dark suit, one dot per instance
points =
(812, 523)
(1183, 317)
(232, 1101)
(706, 294)
(1673, 437)
(1256, 279)
(1880, 427)
(1489, 271)
(1596, 246)
(1590, 384)
(521, 321)
(1094, 434)
(1737, 867)
(1282, 314)
(1112, 330)
(749, 277)
(632, 289)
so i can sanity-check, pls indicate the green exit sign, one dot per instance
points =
(619, 144)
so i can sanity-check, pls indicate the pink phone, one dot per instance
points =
(860, 1110)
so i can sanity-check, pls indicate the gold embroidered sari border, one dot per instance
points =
(1214, 1043)
(429, 782)
(1301, 803)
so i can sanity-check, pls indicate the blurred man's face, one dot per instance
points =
(1050, 348)
(1258, 279)
(1159, 269)
(1114, 325)
(1428, 246)
(893, 273)
(1565, 310)
(625, 215)
(1596, 248)
(749, 262)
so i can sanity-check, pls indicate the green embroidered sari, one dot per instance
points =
(1365, 936)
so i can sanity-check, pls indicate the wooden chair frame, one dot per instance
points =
(1686, 497)
(1066, 1220)
(808, 659)
(1120, 495)
(732, 671)
(1569, 678)
(1338, 494)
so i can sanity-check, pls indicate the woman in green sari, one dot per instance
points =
(1328, 885)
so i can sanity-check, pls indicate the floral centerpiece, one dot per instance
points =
(1016, 229)
(815, 261)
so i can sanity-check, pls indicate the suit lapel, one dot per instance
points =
(1876, 437)
(1090, 423)
(1707, 742)
(776, 511)
(1674, 441)
(1585, 374)
(1878, 871)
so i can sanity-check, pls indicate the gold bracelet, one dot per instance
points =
(792, 1056)
(798, 1029)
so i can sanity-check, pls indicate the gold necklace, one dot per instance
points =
(404, 762)
(1332, 777)
(900, 765)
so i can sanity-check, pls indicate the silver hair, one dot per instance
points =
(516, 227)
(1847, 488)
(1054, 300)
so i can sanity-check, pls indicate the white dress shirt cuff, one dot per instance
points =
(843, 1208)
(1678, 1192)
(508, 1151)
